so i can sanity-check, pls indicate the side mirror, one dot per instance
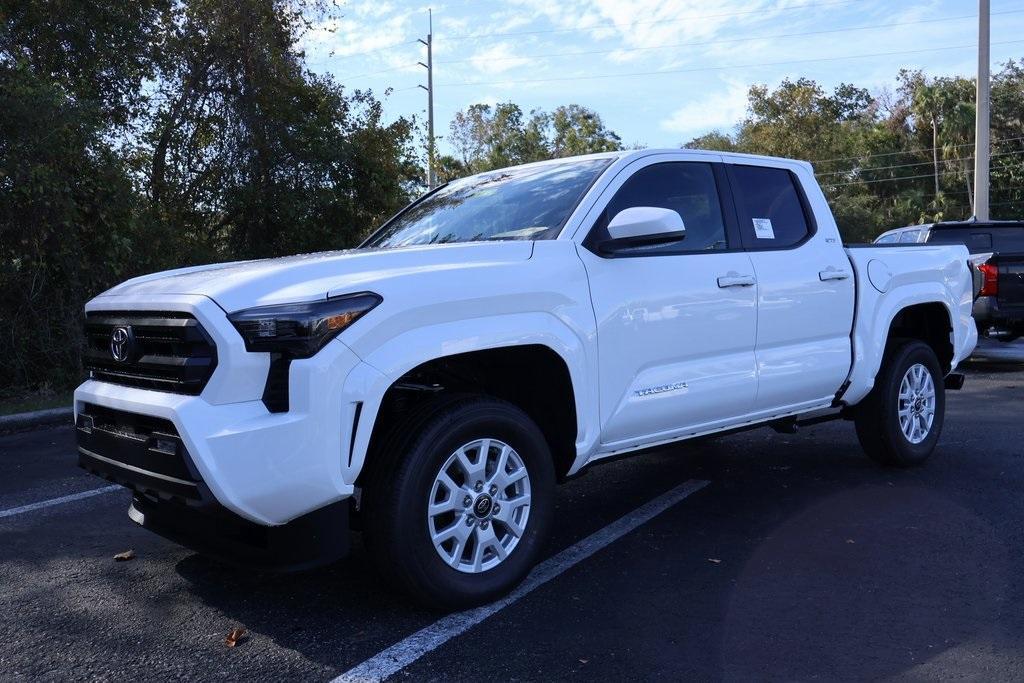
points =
(642, 226)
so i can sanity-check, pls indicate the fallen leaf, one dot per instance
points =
(711, 559)
(125, 556)
(584, 661)
(850, 540)
(235, 637)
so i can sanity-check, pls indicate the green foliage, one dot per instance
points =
(137, 136)
(889, 160)
(68, 226)
(488, 137)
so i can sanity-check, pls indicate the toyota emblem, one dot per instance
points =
(121, 342)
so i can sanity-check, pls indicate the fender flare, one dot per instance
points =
(384, 365)
(871, 336)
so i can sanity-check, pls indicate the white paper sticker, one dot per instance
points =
(763, 229)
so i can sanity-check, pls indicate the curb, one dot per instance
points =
(36, 418)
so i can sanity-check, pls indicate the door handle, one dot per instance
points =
(734, 279)
(832, 273)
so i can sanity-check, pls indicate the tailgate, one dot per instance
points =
(1011, 283)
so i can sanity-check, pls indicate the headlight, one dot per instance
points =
(300, 330)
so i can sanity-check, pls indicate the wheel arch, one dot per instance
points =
(930, 323)
(924, 313)
(485, 347)
(533, 377)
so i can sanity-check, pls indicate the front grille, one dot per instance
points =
(142, 452)
(170, 350)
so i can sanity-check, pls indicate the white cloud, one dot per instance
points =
(498, 58)
(364, 28)
(720, 110)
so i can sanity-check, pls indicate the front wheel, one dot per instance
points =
(460, 516)
(900, 421)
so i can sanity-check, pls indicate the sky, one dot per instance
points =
(659, 72)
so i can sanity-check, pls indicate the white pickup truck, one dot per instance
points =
(495, 337)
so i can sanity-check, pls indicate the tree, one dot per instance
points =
(488, 137)
(277, 159)
(143, 135)
(576, 130)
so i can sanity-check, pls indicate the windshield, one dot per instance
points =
(529, 203)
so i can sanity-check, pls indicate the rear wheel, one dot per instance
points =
(460, 515)
(900, 420)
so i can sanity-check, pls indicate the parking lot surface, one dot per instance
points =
(799, 559)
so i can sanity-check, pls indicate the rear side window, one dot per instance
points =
(1003, 239)
(910, 236)
(769, 207)
(976, 242)
(887, 239)
(1009, 240)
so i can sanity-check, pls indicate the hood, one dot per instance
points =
(306, 277)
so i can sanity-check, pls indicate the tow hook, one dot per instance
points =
(954, 381)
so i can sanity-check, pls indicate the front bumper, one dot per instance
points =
(314, 539)
(265, 468)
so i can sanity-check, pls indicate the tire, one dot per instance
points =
(402, 528)
(879, 426)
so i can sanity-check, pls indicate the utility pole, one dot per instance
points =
(981, 121)
(429, 66)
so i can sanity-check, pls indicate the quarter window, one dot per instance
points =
(769, 206)
(688, 188)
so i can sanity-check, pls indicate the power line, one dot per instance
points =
(881, 180)
(693, 17)
(917, 151)
(374, 73)
(719, 42)
(872, 169)
(373, 51)
(718, 68)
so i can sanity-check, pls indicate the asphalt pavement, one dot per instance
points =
(800, 559)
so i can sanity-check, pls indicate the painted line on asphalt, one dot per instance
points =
(400, 655)
(59, 501)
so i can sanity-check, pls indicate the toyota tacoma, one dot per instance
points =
(495, 337)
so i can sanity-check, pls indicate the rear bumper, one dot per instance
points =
(988, 314)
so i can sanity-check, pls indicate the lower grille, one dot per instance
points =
(161, 350)
(141, 452)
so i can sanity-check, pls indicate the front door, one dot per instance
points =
(676, 322)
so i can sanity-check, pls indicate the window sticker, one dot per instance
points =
(763, 228)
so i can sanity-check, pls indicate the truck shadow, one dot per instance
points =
(834, 568)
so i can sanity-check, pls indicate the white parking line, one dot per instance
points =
(400, 655)
(59, 501)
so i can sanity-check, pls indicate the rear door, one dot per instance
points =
(805, 289)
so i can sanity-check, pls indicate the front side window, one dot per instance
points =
(771, 213)
(530, 203)
(887, 239)
(688, 188)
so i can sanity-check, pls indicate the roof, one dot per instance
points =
(630, 154)
(973, 223)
